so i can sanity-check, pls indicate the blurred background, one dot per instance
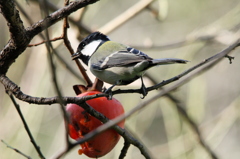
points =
(187, 29)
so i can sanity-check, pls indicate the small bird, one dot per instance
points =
(115, 63)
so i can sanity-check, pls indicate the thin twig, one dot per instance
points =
(46, 41)
(193, 125)
(16, 150)
(37, 148)
(124, 150)
(68, 67)
(69, 47)
(125, 16)
(177, 44)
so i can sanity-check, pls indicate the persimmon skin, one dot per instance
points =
(81, 123)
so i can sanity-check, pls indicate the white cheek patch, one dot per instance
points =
(90, 48)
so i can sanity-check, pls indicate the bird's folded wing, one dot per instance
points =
(118, 59)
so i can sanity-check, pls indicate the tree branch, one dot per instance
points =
(26, 126)
(16, 150)
(15, 90)
(193, 125)
(20, 37)
(124, 149)
(78, 24)
(15, 24)
(125, 16)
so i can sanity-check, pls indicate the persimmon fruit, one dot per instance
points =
(81, 123)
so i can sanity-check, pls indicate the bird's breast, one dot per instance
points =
(117, 75)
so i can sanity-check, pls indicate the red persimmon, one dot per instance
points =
(81, 123)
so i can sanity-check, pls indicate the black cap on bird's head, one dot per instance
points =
(89, 45)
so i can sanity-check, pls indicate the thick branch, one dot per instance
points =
(20, 38)
(57, 15)
(52, 7)
(14, 22)
(17, 33)
(15, 90)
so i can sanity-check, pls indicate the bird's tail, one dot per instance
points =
(166, 61)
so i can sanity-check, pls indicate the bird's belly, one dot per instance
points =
(117, 75)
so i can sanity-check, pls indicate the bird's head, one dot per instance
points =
(89, 45)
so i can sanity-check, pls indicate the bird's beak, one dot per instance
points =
(76, 55)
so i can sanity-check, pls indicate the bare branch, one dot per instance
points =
(45, 41)
(124, 150)
(37, 148)
(17, 32)
(15, 90)
(15, 24)
(193, 125)
(127, 15)
(69, 47)
(14, 48)
(177, 44)
(82, 27)
(16, 150)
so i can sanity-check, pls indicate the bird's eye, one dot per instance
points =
(83, 44)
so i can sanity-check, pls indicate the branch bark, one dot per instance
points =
(20, 37)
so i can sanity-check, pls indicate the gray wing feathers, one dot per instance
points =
(120, 59)
(166, 61)
(131, 58)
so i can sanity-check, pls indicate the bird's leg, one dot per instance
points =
(109, 91)
(144, 89)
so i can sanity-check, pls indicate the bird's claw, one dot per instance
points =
(144, 90)
(109, 92)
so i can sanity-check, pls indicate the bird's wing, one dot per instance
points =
(128, 57)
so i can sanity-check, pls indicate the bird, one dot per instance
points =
(116, 63)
